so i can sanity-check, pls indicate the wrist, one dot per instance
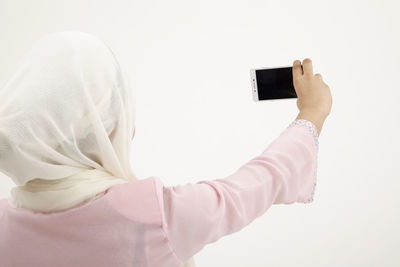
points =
(315, 113)
(314, 116)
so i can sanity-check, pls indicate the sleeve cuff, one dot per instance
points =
(311, 127)
(314, 133)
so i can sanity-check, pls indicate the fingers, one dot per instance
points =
(319, 77)
(307, 67)
(297, 70)
(303, 69)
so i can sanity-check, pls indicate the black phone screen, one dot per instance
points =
(275, 83)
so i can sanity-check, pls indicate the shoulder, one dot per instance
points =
(138, 200)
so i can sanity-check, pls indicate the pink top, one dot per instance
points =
(146, 224)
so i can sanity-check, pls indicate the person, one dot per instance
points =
(67, 119)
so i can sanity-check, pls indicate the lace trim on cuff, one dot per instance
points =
(313, 130)
(310, 126)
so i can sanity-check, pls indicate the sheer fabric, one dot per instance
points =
(67, 117)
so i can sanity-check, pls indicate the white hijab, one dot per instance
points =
(66, 122)
(67, 116)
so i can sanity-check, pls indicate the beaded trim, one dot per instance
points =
(310, 126)
(313, 130)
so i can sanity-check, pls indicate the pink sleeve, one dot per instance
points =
(195, 215)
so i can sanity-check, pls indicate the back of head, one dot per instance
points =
(67, 109)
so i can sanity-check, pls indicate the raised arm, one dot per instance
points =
(195, 215)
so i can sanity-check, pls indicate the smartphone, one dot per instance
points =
(272, 83)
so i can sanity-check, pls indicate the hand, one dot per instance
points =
(313, 94)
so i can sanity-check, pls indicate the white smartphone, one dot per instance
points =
(272, 83)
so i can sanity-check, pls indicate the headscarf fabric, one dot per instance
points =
(66, 123)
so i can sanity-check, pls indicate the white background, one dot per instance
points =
(189, 62)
